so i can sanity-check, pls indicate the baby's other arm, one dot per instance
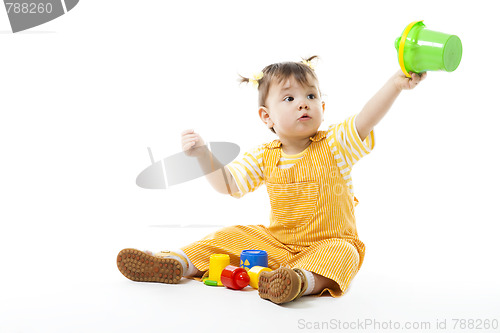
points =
(221, 180)
(378, 106)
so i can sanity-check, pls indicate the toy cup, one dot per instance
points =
(254, 273)
(420, 50)
(234, 277)
(250, 258)
(217, 264)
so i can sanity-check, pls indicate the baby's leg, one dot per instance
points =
(144, 266)
(333, 263)
(321, 267)
(321, 283)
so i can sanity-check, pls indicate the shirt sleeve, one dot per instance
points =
(248, 171)
(346, 145)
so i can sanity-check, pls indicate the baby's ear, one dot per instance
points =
(264, 116)
(263, 112)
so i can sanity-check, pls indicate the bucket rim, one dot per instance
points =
(402, 42)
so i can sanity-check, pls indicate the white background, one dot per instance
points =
(83, 96)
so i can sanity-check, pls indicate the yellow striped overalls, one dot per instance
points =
(312, 224)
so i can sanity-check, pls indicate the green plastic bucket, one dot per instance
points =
(426, 50)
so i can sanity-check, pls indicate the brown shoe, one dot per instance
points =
(282, 285)
(137, 265)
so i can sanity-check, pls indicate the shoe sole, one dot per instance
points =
(139, 266)
(279, 286)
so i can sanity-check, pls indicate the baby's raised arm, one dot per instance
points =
(220, 179)
(381, 102)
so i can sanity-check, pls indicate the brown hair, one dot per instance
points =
(278, 73)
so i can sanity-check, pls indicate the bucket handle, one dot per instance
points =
(402, 46)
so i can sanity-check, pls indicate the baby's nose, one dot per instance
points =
(303, 106)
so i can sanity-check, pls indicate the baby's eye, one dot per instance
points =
(288, 99)
(311, 96)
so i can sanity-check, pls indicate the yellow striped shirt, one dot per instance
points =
(343, 140)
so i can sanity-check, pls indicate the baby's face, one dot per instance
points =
(294, 110)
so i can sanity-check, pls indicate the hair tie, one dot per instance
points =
(255, 79)
(308, 63)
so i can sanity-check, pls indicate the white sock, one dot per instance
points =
(191, 270)
(310, 282)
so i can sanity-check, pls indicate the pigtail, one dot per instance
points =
(255, 79)
(242, 79)
(309, 62)
(311, 58)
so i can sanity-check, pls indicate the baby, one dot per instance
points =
(312, 241)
